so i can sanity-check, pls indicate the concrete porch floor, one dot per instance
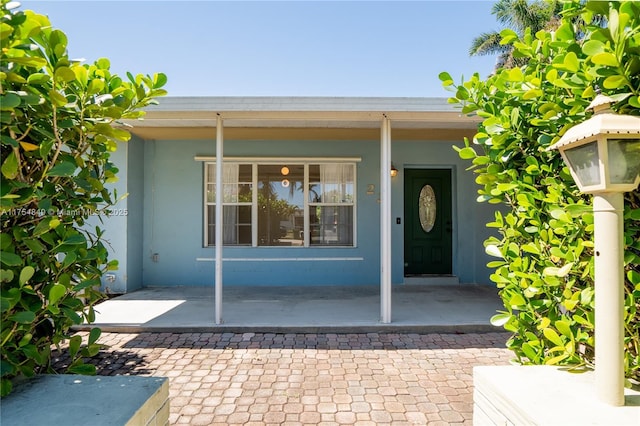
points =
(460, 308)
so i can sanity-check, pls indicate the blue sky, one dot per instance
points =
(291, 48)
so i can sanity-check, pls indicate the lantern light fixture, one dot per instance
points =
(394, 171)
(603, 156)
(603, 152)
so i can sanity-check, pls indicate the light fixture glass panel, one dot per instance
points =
(624, 160)
(584, 161)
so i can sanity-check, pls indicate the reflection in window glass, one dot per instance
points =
(331, 183)
(331, 225)
(237, 180)
(280, 205)
(237, 225)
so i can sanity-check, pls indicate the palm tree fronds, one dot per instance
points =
(519, 15)
(487, 44)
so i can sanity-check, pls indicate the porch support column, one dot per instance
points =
(219, 219)
(385, 221)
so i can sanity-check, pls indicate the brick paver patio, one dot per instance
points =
(293, 379)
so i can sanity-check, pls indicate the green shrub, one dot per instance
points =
(57, 119)
(544, 256)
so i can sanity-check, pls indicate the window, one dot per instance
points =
(331, 199)
(237, 204)
(294, 204)
(280, 205)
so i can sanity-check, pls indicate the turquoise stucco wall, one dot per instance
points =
(174, 220)
(469, 217)
(172, 223)
(136, 212)
(123, 230)
(115, 226)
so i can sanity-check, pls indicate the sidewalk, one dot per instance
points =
(293, 379)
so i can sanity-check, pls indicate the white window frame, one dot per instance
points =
(255, 162)
(208, 203)
(314, 204)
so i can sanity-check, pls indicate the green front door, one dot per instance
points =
(427, 222)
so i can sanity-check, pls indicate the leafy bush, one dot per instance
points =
(57, 119)
(544, 258)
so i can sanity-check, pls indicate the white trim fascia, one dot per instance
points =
(282, 259)
(334, 112)
(279, 160)
(301, 103)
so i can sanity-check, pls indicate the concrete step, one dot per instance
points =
(431, 280)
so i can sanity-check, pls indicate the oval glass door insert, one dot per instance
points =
(427, 208)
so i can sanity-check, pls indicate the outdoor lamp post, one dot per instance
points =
(603, 155)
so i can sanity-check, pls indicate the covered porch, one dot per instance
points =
(309, 309)
(185, 132)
